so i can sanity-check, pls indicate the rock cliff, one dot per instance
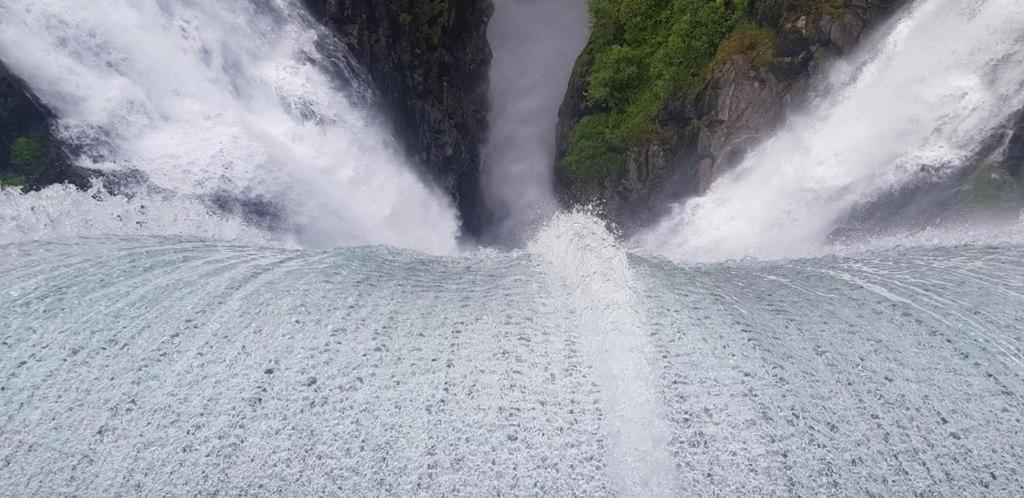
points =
(729, 82)
(428, 60)
(30, 154)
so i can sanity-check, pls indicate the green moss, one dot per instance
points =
(820, 52)
(27, 154)
(594, 154)
(991, 187)
(824, 7)
(748, 39)
(777, 12)
(13, 180)
(643, 53)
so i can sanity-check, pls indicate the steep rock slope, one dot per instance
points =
(30, 153)
(990, 187)
(670, 93)
(429, 61)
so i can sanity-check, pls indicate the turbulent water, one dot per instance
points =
(158, 344)
(170, 365)
(226, 100)
(917, 103)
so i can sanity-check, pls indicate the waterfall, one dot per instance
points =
(157, 343)
(917, 103)
(535, 43)
(244, 101)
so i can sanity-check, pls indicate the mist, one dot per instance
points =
(910, 109)
(535, 45)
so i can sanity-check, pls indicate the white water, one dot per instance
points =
(919, 102)
(594, 272)
(535, 44)
(185, 355)
(63, 211)
(225, 99)
(175, 366)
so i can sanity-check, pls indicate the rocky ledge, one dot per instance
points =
(748, 63)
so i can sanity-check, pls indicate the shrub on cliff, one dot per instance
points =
(27, 154)
(12, 180)
(642, 53)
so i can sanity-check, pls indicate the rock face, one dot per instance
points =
(30, 154)
(428, 60)
(989, 186)
(760, 69)
(1013, 160)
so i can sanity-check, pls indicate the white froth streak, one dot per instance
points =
(917, 103)
(535, 44)
(224, 98)
(585, 259)
(62, 211)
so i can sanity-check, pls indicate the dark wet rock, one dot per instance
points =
(743, 99)
(1013, 160)
(428, 60)
(31, 155)
(989, 185)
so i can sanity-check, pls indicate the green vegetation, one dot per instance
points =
(776, 12)
(991, 187)
(642, 54)
(27, 154)
(820, 52)
(748, 38)
(12, 180)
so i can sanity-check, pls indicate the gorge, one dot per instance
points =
(527, 247)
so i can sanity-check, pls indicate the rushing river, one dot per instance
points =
(174, 365)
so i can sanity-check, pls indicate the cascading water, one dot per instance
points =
(225, 99)
(535, 43)
(919, 103)
(594, 272)
(151, 346)
(169, 365)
